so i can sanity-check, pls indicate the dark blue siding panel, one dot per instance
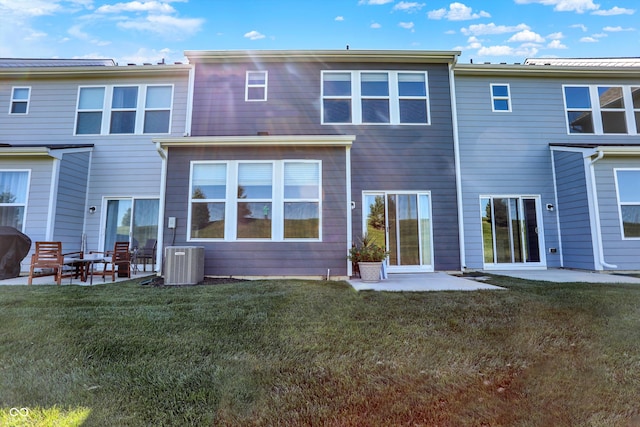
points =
(71, 200)
(573, 210)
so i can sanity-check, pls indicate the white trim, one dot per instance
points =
(25, 205)
(457, 161)
(349, 210)
(637, 203)
(248, 86)
(13, 99)
(258, 141)
(500, 98)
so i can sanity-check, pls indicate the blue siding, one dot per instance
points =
(573, 210)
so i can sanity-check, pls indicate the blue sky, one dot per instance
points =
(484, 30)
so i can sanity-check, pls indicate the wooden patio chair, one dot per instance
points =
(117, 262)
(49, 260)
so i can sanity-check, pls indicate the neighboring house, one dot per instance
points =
(550, 161)
(294, 155)
(77, 162)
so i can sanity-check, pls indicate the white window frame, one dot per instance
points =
(356, 97)
(26, 196)
(495, 98)
(596, 110)
(140, 110)
(249, 86)
(17, 100)
(621, 203)
(277, 201)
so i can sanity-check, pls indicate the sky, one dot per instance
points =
(144, 31)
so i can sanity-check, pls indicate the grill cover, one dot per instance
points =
(14, 246)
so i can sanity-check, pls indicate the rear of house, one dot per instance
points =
(294, 155)
(550, 164)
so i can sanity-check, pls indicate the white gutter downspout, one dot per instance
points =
(596, 213)
(349, 209)
(456, 150)
(162, 201)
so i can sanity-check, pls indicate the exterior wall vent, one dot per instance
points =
(184, 265)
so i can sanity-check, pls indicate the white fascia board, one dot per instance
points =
(269, 140)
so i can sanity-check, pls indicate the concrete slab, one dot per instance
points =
(422, 282)
(559, 275)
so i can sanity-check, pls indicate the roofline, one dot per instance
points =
(258, 140)
(347, 55)
(593, 149)
(97, 71)
(544, 70)
(42, 150)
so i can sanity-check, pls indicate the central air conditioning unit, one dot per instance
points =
(184, 265)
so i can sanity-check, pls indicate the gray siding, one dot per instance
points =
(383, 157)
(573, 210)
(71, 198)
(266, 258)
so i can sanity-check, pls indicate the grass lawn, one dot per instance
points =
(270, 353)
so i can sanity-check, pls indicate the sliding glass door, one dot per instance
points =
(510, 231)
(402, 222)
(131, 220)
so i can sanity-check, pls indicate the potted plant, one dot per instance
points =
(369, 257)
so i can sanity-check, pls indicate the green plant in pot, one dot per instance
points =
(369, 256)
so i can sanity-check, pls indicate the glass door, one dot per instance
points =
(510, 231)
(131, 220)
(402, 222)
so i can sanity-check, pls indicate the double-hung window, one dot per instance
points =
(20, 100)
(375, 97)
(628, 187)
(256, 87)
(255, 200)
(602, 109)
(500, 99)
(104, 110)
(13, 197)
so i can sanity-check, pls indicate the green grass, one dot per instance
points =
(271, 353)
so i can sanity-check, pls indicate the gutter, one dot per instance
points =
(456, 151)
(596, 208)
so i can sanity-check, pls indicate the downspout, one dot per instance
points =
(349, 209)
(596, 211)
(163, 186)
(189, 115)
(456, 151)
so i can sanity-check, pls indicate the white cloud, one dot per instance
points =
(617, 29)
(151, 56)
(581, 26)
(164, 25)
(406, 25)
(457, 12)
(254, 35)
(507, 51)
(482, 29)
(614, 11)
(578, 6)
(555, 36)
(375, 25)
(409, 7)
(526, 36)
(339, 18)
(588, 40)
(29, 8)
(137, 6)
(556, 44)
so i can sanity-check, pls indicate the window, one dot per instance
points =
(136, 110)
(374, 97)
(256, 89)
(20, 100)
(602, 109)
(243, 200)
(13, 198)
(500, 98)
(629, 201)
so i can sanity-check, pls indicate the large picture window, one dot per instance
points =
(602, 109)
(144, 109)
(374, 97)
(629, 201)
(243, 200)
(13, 198)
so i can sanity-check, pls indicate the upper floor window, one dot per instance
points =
(20, 100)
(256, 87)
(124, 109)
(374, 97)
(13, 197)
(500, 97)
(255, 200)
(629, 201)
(602, 109)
